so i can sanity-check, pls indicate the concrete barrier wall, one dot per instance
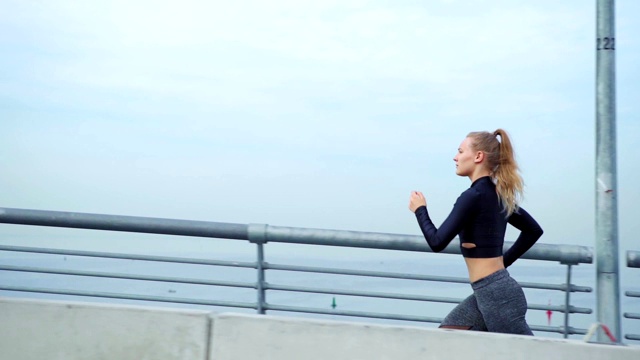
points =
(240, 337)
(32, 329)
(39, 330)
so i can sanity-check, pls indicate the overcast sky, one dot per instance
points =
(322, 114)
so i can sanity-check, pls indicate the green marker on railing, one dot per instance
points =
(333, 304)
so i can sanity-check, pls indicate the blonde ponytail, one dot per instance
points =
(504, 170)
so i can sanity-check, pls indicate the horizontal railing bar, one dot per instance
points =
(632, 337)
(127, 276)
(633, 259)
(362, 293)
(566, 254)
(124, 223)
(459, 280)
(559, 329)
(178, 260)
(371, 315)
(558, 308)
(560, 287)
(572, 309)
(632, 293)
(632, 316)
(130, 297)
(321, 270)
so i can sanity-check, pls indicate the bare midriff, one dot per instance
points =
(483, 267)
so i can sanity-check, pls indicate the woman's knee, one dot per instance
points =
(465, 316)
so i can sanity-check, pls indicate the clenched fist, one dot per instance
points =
(416, 200)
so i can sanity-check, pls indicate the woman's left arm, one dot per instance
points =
(530, 233)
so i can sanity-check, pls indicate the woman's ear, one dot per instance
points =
(479, 157)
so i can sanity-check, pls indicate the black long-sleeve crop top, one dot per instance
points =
(478, 218)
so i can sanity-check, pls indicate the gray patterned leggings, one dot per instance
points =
(496, 305)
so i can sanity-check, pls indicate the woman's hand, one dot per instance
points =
(416, 200)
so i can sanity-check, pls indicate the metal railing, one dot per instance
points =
(633, 261)
(260, 235)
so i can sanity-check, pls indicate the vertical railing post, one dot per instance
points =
(607, 277)
(257, 234)
(260, 283)
(567, 302)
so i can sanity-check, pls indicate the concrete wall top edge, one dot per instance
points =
(102, 305)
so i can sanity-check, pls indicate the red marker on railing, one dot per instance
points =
(608, 332)
(604, 327)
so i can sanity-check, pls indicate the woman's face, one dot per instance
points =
(464, 159)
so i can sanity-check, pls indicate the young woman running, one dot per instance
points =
(479, 217)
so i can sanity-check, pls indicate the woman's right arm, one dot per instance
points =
(438, 239)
